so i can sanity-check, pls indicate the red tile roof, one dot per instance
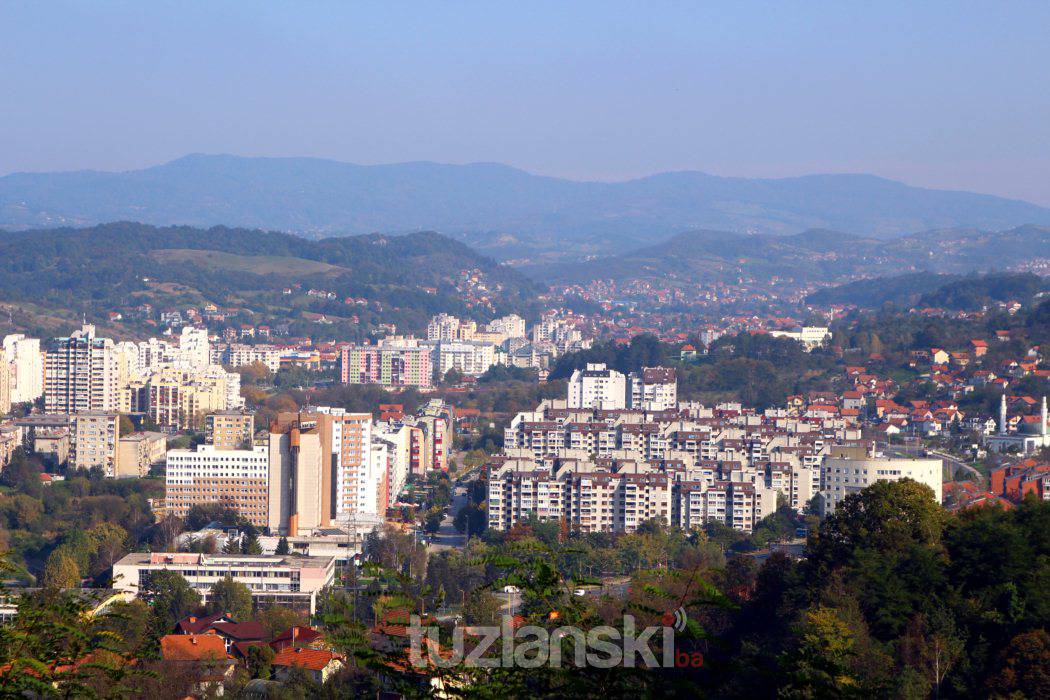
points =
(192, 647)
(311, 659)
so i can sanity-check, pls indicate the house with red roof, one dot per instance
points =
(319, 664)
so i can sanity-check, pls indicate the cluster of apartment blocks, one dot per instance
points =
(457, 344)
(312, 469)
(626, 456)
(87, 440)
(175, 385)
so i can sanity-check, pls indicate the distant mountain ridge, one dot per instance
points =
(499, 209)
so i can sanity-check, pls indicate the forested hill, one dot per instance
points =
(811, 256)
(113, 267)
(919, 290)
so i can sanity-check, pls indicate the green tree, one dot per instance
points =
(282, 546)
(482, 608)
(231, 597)
(171, 599)
(250, 544)
(61, 571)
(259, 661)
(886, 516)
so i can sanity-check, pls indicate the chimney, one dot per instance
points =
(193, 640)
(295, 634)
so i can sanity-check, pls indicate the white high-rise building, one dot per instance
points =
(80, 374)
(156, 353)
(5, 383)
(194, 350)
(447, 328)
(597, 386)
(654, 389)
(472, 358)
(27, 367)
(511, 326)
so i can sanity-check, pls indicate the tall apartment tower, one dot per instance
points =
(653, 389)
(194, 351)
(80, 374)
(27, 368)
(96, 438)
(321, 470)
(5, 383)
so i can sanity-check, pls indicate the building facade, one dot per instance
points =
(80, 374)
(233, 477)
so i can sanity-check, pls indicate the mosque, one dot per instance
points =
(1030, 437)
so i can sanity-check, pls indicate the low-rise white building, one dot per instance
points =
(285, 580)
(842, 476)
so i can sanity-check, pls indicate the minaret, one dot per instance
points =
(1002, 415)
(1042, 415)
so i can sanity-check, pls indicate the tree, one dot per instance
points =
(821, 664)
(282, 546)
(471, 519)
(432, 522)
(259, 661)
(126, 426)
(482, 608)
(61, 571)
(43, 650)
(231, 597)
(171, 599)
(277, 619)
(250, 544)
(1024, 667)
(886, 516)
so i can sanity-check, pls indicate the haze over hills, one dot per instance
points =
(501, 210)
(810, 256)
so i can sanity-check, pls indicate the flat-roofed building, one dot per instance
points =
(239, 479)
(229, 430)
(285, 580)
(843, 476)
(138, 452)
(95, 438)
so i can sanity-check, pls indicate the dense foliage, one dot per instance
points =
(922, 289)
(100, 269)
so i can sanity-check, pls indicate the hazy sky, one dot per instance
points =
(953, 94)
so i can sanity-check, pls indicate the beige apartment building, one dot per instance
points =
(180, 398)
(588, 498)
(229, 430)
(95, 438)
(321, 470)
(138, 452)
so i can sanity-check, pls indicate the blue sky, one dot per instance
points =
(941, 94)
